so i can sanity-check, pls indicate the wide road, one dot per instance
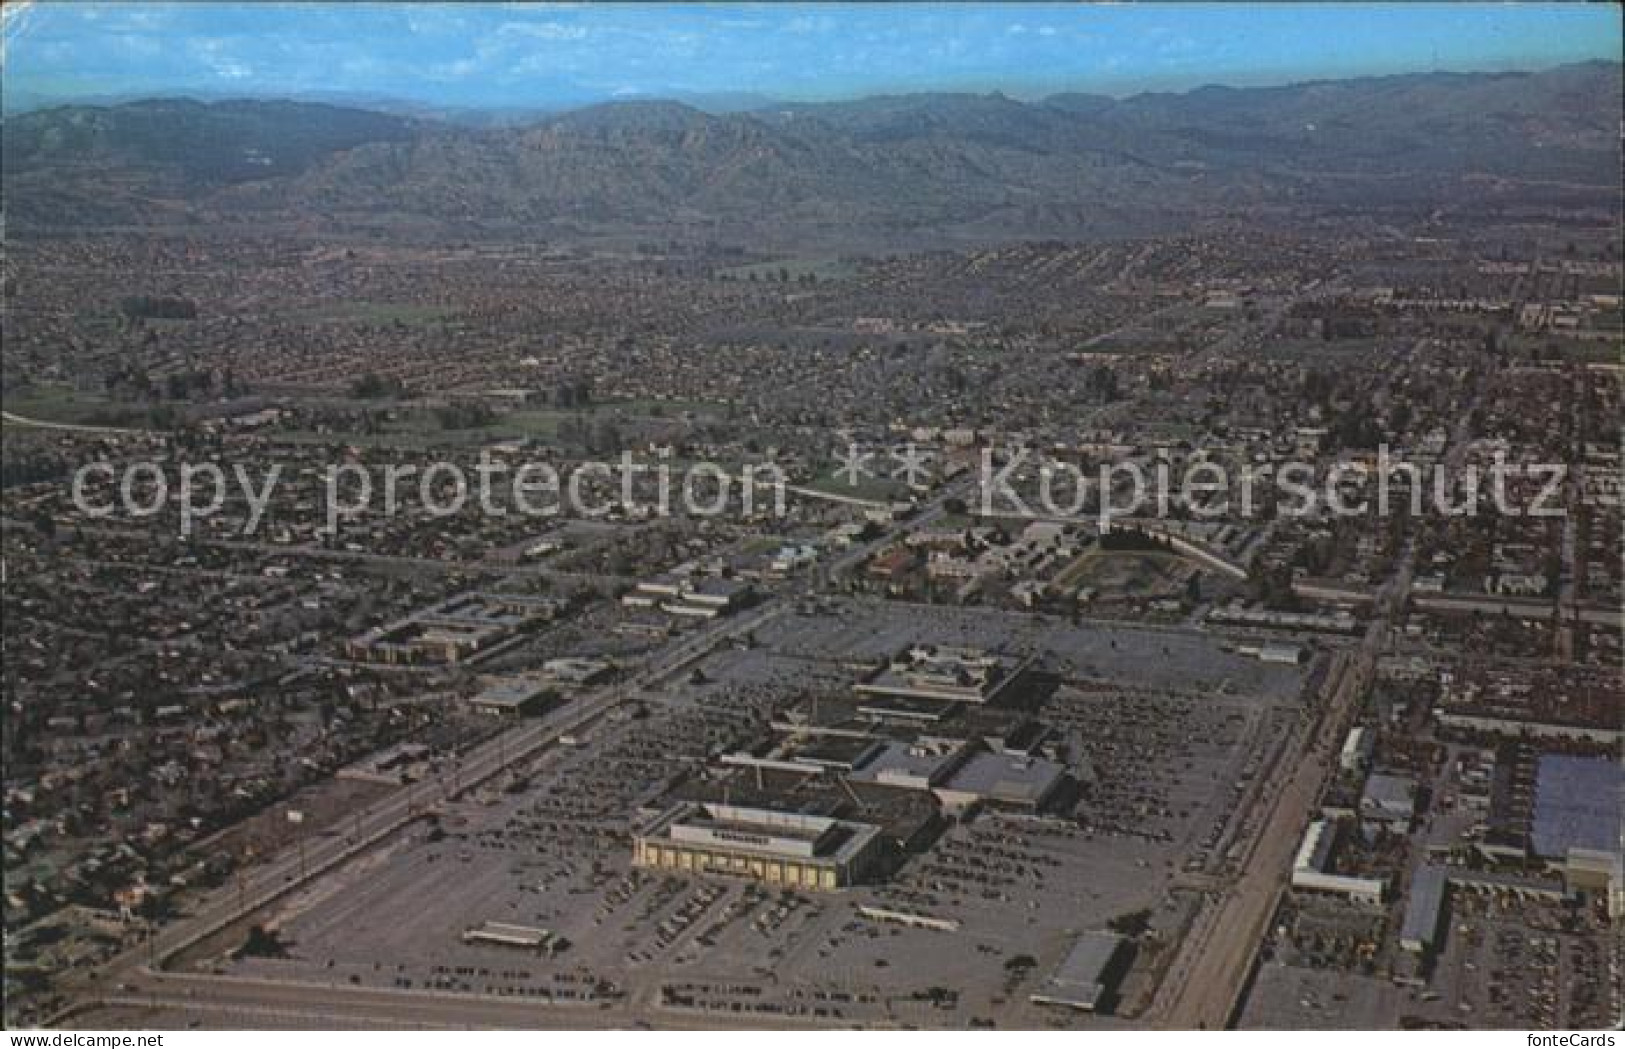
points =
(1203, 987)
(216, 1001)
(1204, 984)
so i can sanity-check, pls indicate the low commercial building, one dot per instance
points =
(944, 674)
(1356, 752)
(1087, 978)
(700, 599)
(1598, 873)
(1329, 623)
(812, 755)
(1274, 652)
(1564, 703)
(1388, 801)
(507, 934)
(575, 670)
(519, 697)
(457, 629)
(1309, 872)
(779, 848)
(1424, 910)
(921, 765)
(394, 765)
(912, 919)
(1012, 781)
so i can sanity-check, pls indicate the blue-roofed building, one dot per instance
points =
(1577, 805)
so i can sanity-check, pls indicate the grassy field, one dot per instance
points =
(64, 404)
(657, 409)
(1126, 572)
(872, 489)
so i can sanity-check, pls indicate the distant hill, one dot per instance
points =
(202, 143)
(971, 165)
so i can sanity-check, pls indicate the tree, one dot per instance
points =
(262, 943)
(373, 386)
(1132, 923)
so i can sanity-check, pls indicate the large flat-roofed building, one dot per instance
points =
(1599, 872)
(681, 596)
(1424, 909)
(1309, 872)
(779, 848)
(1088, 976)
(457, 629)
(517, 697)
(1388, 801)
(809, 755)
(1011, 781)
(921, 765)
(1577, 805)
(1575, 824)
(944, 674)
(507, 934)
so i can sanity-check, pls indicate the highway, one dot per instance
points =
(43, 424)
(1203, 987)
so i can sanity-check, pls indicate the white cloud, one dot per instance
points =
(810, 24)
(215, 55)
(544, 30)
(454, 70)
(145, 46)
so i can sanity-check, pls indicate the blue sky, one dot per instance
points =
(525, 55)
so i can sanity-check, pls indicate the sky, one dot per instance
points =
(550, 55)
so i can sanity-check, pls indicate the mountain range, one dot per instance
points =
(946, 165)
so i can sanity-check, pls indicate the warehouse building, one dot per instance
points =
(1424, 910)
(1087, 979)
(1576, 824)
(1577, 805)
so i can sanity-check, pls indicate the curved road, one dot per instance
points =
(43, 424)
